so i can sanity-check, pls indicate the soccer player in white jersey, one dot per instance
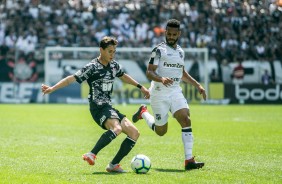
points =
(166, 70)
(100, 74)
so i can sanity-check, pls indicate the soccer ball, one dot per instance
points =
(140, 164)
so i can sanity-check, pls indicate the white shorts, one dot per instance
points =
(161, 105)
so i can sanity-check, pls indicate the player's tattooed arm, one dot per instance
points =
(152, 75)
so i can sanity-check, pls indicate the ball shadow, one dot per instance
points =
(106, 173)
(168, 170)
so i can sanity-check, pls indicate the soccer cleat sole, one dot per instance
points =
(118, 170)
(197, 165)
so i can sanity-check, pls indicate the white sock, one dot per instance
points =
(187, 139)
(150, 120)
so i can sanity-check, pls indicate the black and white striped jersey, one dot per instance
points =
(100, 79)
(170, 63)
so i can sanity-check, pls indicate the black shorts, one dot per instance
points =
(101, 113)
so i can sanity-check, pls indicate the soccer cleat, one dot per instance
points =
(192, 164)
(114, 168)
(89, 157)
(138, 114)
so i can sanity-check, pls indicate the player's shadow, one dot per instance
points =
(169, 170)
(105, 173)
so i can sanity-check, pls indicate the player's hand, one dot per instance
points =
(167, 81)
(202, 91)
(146, 92)
(46, 89)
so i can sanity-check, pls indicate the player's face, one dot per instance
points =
(171, 35)
(108, 53)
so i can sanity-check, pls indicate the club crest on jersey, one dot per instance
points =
(158, 117)
(158, 88)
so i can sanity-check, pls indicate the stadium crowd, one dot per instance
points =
(249, 29)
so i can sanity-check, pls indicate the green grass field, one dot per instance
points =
(44, 144)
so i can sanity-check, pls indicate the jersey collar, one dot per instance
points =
(171, 46)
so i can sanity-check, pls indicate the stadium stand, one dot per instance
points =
(228, 28)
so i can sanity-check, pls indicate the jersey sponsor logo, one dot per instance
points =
(107, 86)
(173, 65)
(175, 79)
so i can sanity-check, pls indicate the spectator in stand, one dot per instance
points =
(11, 39)
(214, 76)
(266, 79)
(4, 49)
(238, 73)
(231, 24)
(5, 69)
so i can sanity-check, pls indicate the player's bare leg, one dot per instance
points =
(142, 113)
(183, 117)
(161, 130)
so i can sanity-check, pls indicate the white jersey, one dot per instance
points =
(170, 62)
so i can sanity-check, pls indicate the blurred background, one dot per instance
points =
(233, 47)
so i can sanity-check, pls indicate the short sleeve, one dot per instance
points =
(84, 73)
(120, 71)
(155, 56)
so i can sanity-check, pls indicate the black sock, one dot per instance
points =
(104, 140)
(153, 127)
(124, 149)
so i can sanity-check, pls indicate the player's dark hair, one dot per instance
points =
(173, 23)
(107, 41)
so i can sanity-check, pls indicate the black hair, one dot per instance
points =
(107, 41)
(173, 23)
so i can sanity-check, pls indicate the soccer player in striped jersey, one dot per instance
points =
(166, 70)
(100, 74)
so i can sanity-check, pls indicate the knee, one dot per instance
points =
(117, 130)
(161, 133)
(134, 134)
(186, 122)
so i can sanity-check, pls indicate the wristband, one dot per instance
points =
(139, 86)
